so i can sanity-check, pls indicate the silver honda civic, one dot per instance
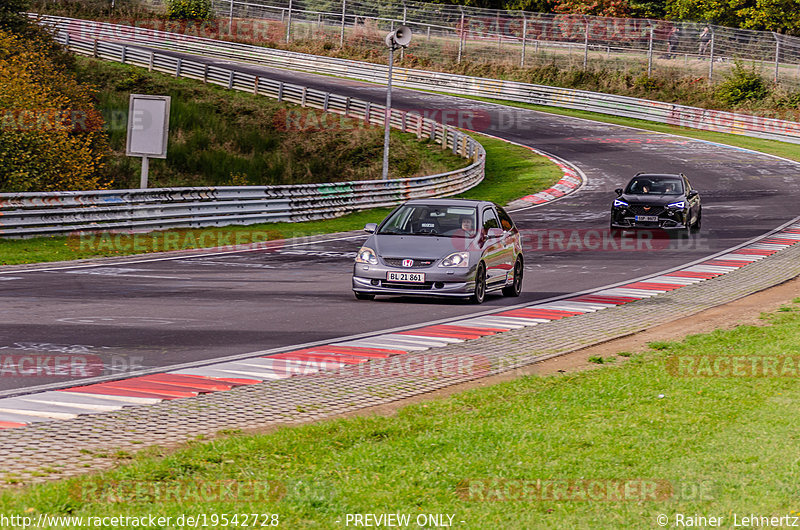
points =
(441, 247)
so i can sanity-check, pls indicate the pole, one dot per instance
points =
(341, 32)
(586, 45)
(387, 117)
(145, 172)
(402, 50)
(230, 19)
(289, 23)
(460, 36)
(650, 53)
(777, 55)
(711, 58)
(524, 35)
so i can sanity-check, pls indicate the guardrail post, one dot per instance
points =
(66, 39)
(123, 54)
(255, 86)
(341, 31)
(151, 61)
(403, 121)
(777, 55)
(94, 49)
(280, 91)
(325, 101)
(303, 97)
(366, 113)
(347, 107)
(419, 127)
(650, 52)
(230, 79)
(456, 141)
(178, 68)
(205, 73)
(433, 131)
(524, 39)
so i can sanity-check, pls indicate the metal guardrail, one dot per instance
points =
(38, 214)
(680, 115)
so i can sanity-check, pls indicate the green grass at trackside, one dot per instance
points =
(714, 446)
(784, 149)
(511, 172)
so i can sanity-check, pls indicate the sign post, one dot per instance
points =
(148, 130)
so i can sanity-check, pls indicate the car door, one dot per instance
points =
(494, 247)
(693, 200)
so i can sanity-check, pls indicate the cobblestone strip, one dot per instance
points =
(50, 450)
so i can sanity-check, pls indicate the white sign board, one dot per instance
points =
(148, 126)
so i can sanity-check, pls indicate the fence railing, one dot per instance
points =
(680, 115)
(36, 214)
(458, 33)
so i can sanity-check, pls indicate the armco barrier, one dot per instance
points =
(38, 214)
(693, 117)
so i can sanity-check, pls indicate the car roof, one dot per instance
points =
(448, 202)
(658, 175)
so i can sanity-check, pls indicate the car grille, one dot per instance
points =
(418, 263)
(408, 286)
(639, 209)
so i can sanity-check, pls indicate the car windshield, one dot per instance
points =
(430, 220)
(653, 185)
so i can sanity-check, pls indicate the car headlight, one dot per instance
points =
(679, 205)
(456, 259)
(366, 255)
(618, 203)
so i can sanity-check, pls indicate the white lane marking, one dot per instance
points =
(8, 278)
(211, 252)
(87, 406)
(675, 280)
(80, 398)
(583, 307)
(490, 323)
(626, 291)
(133, 400)
(403, 339)
(770, 246)
(386, 344)
(40, 414)
(122, 272)
(710, 268)
(124, 321)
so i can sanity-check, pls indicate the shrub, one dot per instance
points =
(742, 85)
(189, 9)
(51, 137)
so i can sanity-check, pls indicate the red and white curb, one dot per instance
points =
(114, 395)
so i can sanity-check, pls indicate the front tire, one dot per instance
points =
(479, 294)
(363, 296)
(515, 288)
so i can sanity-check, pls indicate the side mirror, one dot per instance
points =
(494, 233)
(692, 194)
(618, 191)
(370, 228)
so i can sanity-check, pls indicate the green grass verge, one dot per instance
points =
(511, 172)
(715, 446)
(222, 137)
(773, 147)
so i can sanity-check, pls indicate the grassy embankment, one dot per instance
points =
(712, 445)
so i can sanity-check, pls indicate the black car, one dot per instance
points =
(657, 201)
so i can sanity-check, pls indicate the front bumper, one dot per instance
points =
(669, 220)
(439, 281)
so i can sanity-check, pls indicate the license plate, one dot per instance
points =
(647, 218)
(410, 277)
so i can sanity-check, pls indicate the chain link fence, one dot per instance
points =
(454, 34)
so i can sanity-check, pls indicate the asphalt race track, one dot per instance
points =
(151, 312)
